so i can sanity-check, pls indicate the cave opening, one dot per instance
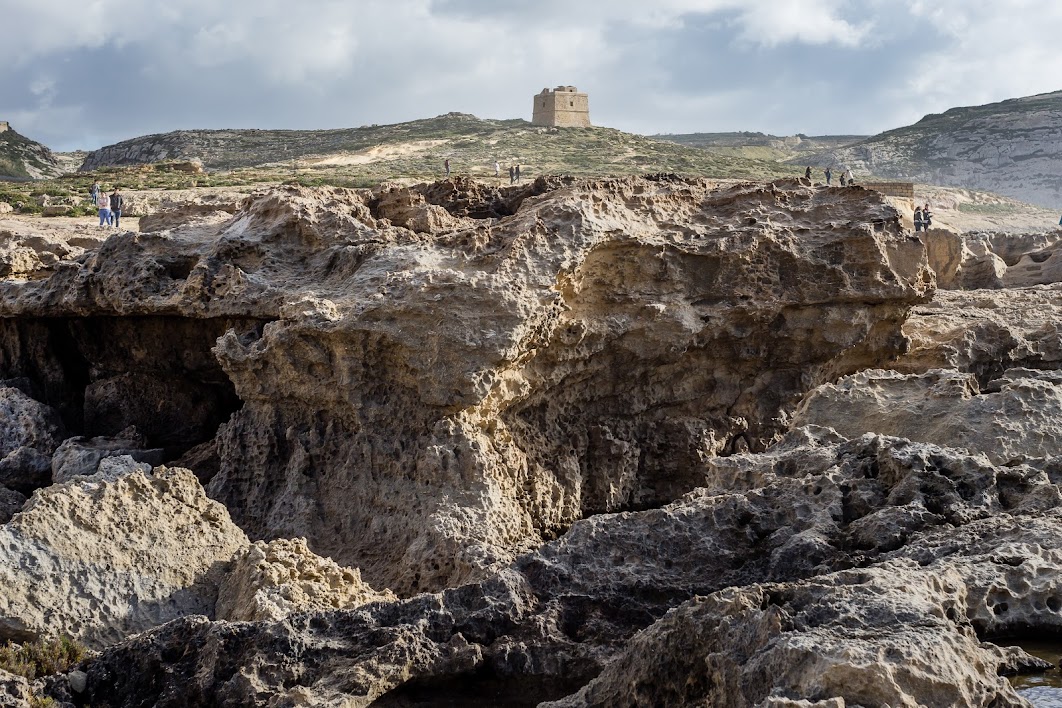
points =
(103, 375)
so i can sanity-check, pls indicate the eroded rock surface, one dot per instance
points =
(563, 409)
(948, 527)
(425, 403)
(1017, 416)
(269, 581)
(980, 260)
(986, 332)
(99, 558)
(29, 433)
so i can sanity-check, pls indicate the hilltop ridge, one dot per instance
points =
(417, 149)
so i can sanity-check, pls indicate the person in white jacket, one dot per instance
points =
(103, 203)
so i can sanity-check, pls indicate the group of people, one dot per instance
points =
(923, 218)
(514, 170)
(846, 177)
(109, 205)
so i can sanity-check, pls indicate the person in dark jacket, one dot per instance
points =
(927, 218)
(807, 173)
(116, 206)
(829, 175)
(918, 218)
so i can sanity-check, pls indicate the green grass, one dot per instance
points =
(1001, 208)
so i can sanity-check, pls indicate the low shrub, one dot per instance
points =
(41, 658)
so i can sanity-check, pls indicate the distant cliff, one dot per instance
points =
(24, 159)
(1012, 148)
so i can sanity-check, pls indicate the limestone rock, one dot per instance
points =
(100, 558)
(14, 691)
(19, 261)
(6, 208)
(271, 580)
(450, 398)
(1016, 417)
(861, 637)
(173, 208)
(80, 456)
(985, 332)
(936, 535)
(29, 433)
(980, 260)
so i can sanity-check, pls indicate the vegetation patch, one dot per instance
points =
(44, 657)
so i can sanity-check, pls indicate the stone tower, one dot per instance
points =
(4, 126)
(563, 107)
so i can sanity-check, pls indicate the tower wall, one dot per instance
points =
(562, 107)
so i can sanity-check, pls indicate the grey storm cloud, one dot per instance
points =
(85, 73)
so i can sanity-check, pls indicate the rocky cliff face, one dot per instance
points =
(425, 380)
(1010, 148)
(592, 442)
(22, 158)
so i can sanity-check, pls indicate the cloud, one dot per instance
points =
(782, 66)
(770, 23)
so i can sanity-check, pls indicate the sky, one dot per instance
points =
(79, 74)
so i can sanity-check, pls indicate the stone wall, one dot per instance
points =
(562, 107)
(891, 189)
(4, 126)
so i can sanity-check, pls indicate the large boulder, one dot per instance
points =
(99, 558)
(78, 456)
(271, 580)
(1016, 417)
(29, 433)
(985, 332)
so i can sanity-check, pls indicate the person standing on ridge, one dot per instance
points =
(116, 203)
(94, 192)
(844, 181)
(497, 169)
(829, 175)
(807, 173)
(918, 218)
(103, 203)
(512, 174)
(927, 218)
(848, 176)
(446, 166)
(517, 171)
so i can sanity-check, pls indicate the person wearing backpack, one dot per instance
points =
(116, 203)
(927, 218)
(918, 218)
